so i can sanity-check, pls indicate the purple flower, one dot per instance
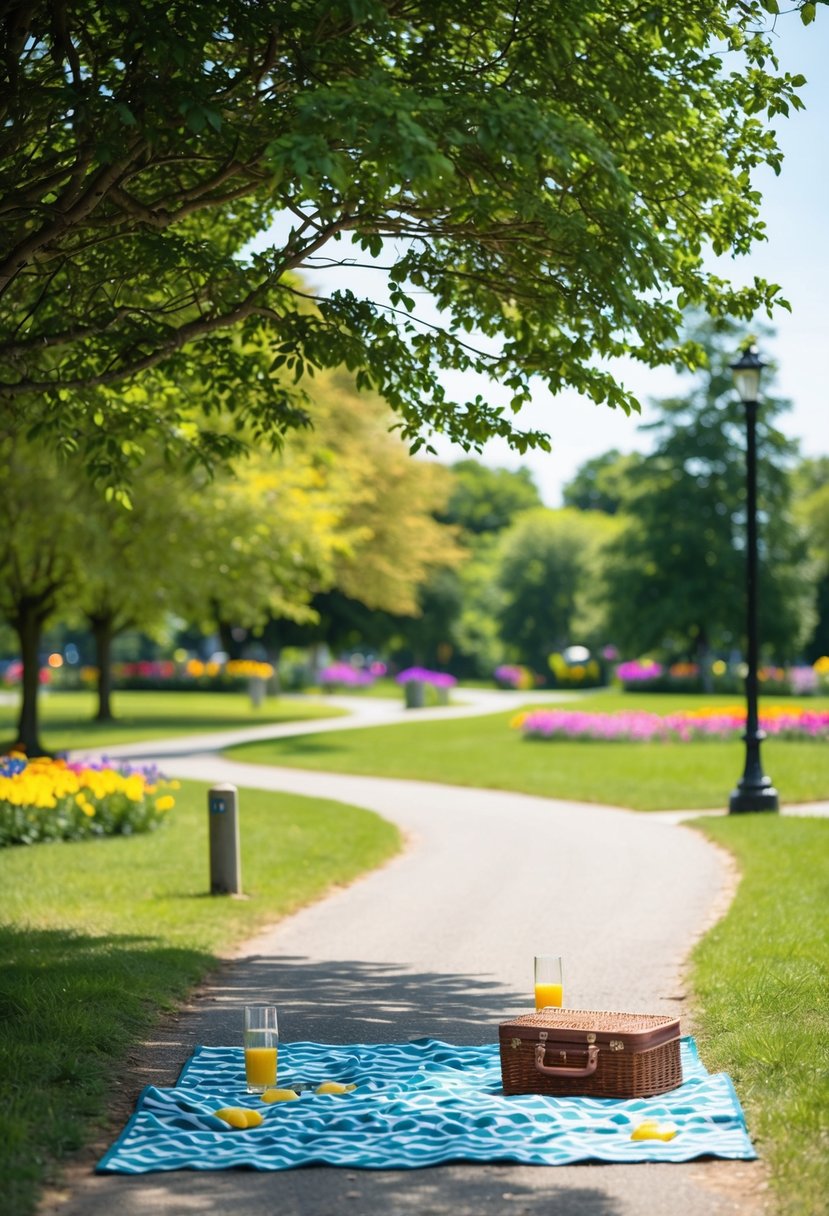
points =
(345, 674)
(439, 679)
(635, 671)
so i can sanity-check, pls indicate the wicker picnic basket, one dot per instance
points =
(587, 1052)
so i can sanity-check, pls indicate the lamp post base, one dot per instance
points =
(761, 797)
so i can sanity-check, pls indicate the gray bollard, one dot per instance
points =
(225, 855)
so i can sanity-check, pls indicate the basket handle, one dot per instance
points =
(560, 1070)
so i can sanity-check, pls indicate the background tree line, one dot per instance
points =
(343, 539)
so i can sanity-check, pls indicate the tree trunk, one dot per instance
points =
(703, 657)
(230, 645)
(28, 624)
(103, 632)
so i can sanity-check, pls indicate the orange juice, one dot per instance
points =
(260, 1066)
(548, 994)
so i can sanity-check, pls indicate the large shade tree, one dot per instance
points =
(550, 175)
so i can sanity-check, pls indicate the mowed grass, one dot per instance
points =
(99, 936)
(486, 752)
(761, 978)
(66, 718)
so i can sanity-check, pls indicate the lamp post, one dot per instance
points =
(755, 791)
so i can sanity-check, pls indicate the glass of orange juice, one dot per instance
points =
(549, 989)
(261, 1047)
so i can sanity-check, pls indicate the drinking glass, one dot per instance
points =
(548, 982)
(261, 1047)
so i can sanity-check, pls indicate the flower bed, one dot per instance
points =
(641, 726)
(422, 675)
(646, 675)
(343, 675)
(151, 675)
(47, 799)
(514, 675)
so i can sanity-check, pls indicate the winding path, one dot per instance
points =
(440, 942)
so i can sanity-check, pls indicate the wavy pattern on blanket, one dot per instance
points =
(417, 1104)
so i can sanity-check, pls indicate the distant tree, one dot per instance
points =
(486, 500)
(386, 506)
(602, 483)
(545, 562)
(553, 176)
(675, 578)
(811, 488)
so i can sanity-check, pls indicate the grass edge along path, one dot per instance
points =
(761, 982)
(67, 718)
(100, 937)
(485, 752)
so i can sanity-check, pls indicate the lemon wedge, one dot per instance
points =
(334, 1087)
(653, 1130)
(239, 1116)
(280, 1095)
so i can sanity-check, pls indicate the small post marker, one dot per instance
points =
(225, 856)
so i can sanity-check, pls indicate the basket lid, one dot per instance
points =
(574, 1024)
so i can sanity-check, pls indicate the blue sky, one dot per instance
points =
(796, 256)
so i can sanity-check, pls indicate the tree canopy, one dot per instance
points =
(550, 175)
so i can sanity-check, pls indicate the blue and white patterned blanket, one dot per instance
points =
(417, 1104)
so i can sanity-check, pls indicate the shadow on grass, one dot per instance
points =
(71, 1006)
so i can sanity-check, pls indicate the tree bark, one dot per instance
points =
(28, 624)
(703, 657)
(103, 632)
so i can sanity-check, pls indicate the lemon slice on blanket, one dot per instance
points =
(280, 1095)
(239, 1116)
(334, 1087)
(652, 1129)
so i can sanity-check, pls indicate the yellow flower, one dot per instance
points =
(165, 803)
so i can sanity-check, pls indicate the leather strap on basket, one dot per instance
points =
(562, 1070)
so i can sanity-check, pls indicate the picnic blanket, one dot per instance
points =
(416, 1104)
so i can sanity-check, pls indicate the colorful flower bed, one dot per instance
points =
(422, 675)
(646, 675)
(46, 799)
(640, 726)
(149, 675)
(343, 675)
(514, 675)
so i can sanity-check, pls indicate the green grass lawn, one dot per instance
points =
(98, 936)
(93, 951)
(485, 752)
(66, 717)
(761, 979)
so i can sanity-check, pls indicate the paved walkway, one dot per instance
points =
(439, 942)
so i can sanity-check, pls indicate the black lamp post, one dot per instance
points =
(755, 791)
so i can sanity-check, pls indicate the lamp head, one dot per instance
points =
(747, 370)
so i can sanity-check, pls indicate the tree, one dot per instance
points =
(134, 571)
(485, 500)
(602, 483)
(546, 563)
(811, 488)
(40, 562)
(390, 508)
(551, 176)
(675, 578)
